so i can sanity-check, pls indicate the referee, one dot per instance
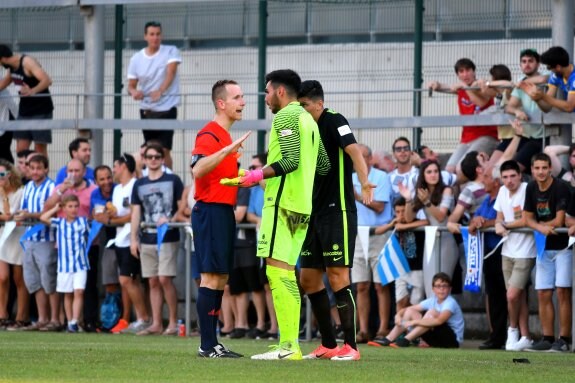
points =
(215, 157)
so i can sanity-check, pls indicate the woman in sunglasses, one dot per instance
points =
(11, 253)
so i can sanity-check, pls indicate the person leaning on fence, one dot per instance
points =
(215, 157)
(40, 258)
(499, 88)
(533, 137)
(364, 271)
(518, 254)
(11, 254)
(154, 202)
(71, 233)
(546, 203)
(562, 77)
(441, 326)
(153, 80)
(473, 138)
(30, 79)
(473, 194)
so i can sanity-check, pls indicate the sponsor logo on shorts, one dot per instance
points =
(298, 219)
(262, 243)
(305, 253)
(335, 252)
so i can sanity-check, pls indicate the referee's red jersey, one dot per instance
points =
(209, 140)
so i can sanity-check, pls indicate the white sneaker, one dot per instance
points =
(522, 344)
(136, 327)
(278, 353)
(512, 338)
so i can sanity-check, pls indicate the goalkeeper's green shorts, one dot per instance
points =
(282, 233)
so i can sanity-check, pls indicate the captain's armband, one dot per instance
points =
(195, 159)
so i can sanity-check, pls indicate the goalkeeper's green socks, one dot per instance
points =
(287, 303)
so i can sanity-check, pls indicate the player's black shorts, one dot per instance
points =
(245, 280)
(166, 137)
(330, 241)
(129, 265)
(214, 227)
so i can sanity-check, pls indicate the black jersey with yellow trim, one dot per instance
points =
(334, 191)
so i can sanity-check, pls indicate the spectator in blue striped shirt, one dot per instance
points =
(39, 262)
(72, 232)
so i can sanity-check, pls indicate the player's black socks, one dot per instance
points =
(347, 313)
(321, 310)
(208, 305)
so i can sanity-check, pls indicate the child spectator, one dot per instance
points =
(409, 288)
(442, 316)
(72, 231)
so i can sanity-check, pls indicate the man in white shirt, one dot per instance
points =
(518, 253)
(153, 80)
(129, 265)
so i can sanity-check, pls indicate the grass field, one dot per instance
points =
(39, 357)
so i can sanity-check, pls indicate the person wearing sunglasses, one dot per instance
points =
(11, 254)
(154, 81)
(155, 202)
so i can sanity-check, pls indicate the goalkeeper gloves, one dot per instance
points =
(245, 178)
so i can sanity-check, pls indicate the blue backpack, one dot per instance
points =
(110, 311)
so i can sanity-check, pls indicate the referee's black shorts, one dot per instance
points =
(214, 227)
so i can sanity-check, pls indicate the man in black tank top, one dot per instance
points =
(30, 79)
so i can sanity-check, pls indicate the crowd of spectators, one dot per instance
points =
(505, 177)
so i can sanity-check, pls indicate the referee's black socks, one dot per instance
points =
(209, 304)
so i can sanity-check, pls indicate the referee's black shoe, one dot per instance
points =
(218, 351)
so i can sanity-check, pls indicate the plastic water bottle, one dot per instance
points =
(181, 328)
